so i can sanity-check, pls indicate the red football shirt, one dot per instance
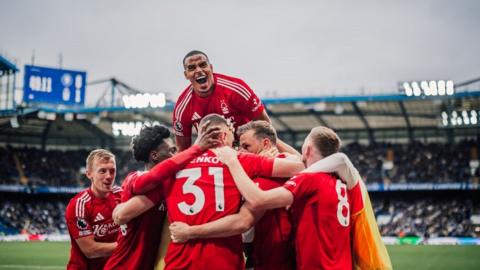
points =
(321, 219)
(88, 215)
(273, 242)
(205, 191)
(138, 240)
(231, 98)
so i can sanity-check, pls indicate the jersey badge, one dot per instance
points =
(82, 223)
(224, 107)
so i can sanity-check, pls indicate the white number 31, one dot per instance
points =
(189, 187)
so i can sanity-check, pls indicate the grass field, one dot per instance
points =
(48, 255)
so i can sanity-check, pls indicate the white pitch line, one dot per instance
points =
(20, 266)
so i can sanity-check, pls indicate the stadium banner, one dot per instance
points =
(422, 186)
(41, 189)
(388, 240)
(54, 86)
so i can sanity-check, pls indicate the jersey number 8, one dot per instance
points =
(189, 187)
(344, 220)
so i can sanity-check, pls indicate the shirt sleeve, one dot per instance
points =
(164, 170)
(182, 125)
(255, 165)
(247, 101)
(156, 195)
(77, 224)
(297, 185)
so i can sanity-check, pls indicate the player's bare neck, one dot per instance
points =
(205, 94)
(98, 194)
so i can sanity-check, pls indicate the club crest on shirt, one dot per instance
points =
(82, 223)
(224, 107)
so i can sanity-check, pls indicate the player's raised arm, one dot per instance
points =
(340, 164)
(167, 168)
(256, 198)
(226, 226)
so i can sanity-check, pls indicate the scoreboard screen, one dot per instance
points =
(56, 86)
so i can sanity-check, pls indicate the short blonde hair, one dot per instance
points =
(99, 154)
(325, 140)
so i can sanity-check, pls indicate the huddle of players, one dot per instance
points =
(203, 188)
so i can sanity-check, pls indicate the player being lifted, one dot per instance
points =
(210, 92)
(89, 214)
(140, 230)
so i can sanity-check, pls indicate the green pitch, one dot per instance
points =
(48, 255)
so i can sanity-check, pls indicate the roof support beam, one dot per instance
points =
(364, 121)
(287, 128)
(407, 121)
(319, 117)
(104, 138)
(45, 134)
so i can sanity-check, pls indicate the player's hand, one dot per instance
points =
(208, 137)
(225, 154)
(179, 232)
(272, 152)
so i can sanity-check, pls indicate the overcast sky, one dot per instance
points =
(292, 48)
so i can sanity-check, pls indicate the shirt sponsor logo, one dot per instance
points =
(100, 230)
(82, 223)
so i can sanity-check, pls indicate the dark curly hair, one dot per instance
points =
(148, 139)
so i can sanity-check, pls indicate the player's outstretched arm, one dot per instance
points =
(209, 137)
(340, 164)
(92, 249)
(135, 206)
(286, 167)
(226, 226)
(257, 199)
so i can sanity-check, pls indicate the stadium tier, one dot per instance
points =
(382, 163)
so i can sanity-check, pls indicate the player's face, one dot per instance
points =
(250, 143)
(165, 150)
(200, 73)
(102, 175)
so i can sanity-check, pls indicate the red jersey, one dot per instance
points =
(273, 242)
(205, 191)
(139, 239)
(88, 215)
(231, 98)
(321, 219)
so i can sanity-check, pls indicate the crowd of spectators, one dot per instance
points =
(378, 163)
(427, 217)
(32, 217)
(431, 217)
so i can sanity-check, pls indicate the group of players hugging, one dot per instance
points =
(207, 205)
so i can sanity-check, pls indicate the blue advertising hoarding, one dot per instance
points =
(56, 86)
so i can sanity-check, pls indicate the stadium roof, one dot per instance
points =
(372, 118)
(6, 65)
